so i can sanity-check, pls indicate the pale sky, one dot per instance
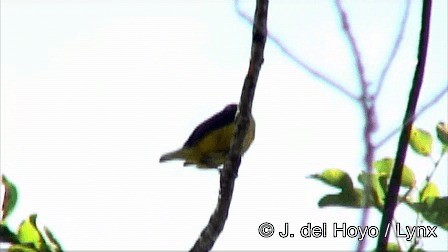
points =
(94, 92)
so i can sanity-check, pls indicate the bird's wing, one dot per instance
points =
(219, 120)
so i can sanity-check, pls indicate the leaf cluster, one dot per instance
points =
(429, 203)
(28, 238)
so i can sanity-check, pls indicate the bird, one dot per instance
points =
(209, 143)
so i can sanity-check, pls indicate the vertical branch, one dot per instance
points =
(368, 107)
(395, 180)
(217, 220)
(353, 45)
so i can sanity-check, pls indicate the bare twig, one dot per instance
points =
(394, 184)
(367, 104)
(434, 100)
(353, 45)
(394, 51)
(297, 60)
(396, 231)
(436, 164)
(230, 171)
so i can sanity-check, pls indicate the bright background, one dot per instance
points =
(93, 92)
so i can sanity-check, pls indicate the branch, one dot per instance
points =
(297, 60)
(353, 45)
(394, 49)
(395, 180)
(367, 104)
(217, 221)
(421, 111)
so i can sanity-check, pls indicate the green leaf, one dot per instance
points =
(352, 199)
(56, 246)
(372, 182)
(335, 177)
(430, 190)
(384, 168)
(432, 207)
(435, 211)
(383, 180)
(29, 234)
(10, 198)
(442, 133)
(421, 142)
(6, 235)
(21, 248)
(407, 178)
(393, 247)
(416, 206)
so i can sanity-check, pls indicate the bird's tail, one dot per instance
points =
(178, 154)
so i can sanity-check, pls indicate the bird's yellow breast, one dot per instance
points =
(212, 150)
(209, 143)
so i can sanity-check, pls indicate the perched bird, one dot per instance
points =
(209, 144)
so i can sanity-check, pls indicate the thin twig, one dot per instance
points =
(297, 60)
(367, 104)
(396, 231)
(395, 180)
(217, 221)
(394, 51)
(434, 100)
(436, 164)
(353, 45)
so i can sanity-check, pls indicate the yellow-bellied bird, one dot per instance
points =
(209, 144)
